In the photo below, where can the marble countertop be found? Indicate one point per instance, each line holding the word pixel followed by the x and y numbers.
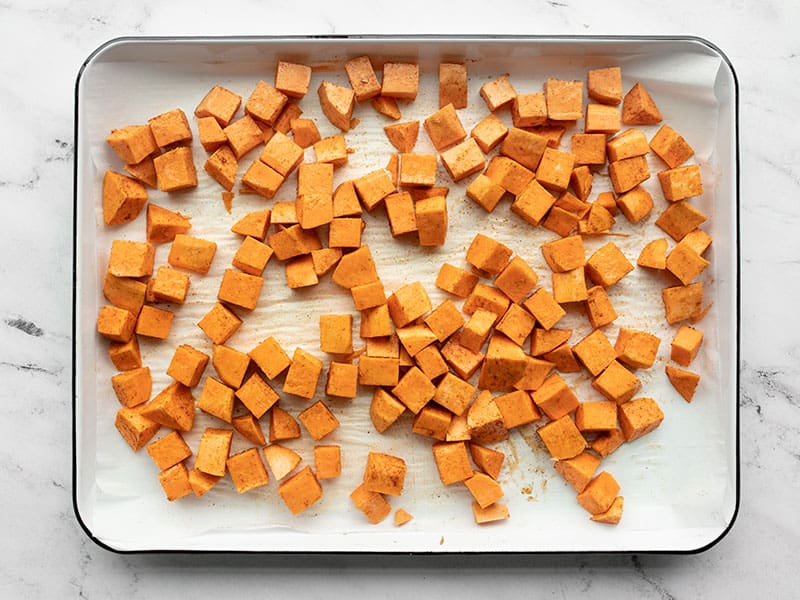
pixel 46 554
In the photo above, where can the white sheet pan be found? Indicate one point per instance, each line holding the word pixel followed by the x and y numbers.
pixel 680 483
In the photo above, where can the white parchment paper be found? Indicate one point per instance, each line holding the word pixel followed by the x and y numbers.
pixel 679 481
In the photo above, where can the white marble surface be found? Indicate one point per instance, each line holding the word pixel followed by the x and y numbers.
pixel 45 553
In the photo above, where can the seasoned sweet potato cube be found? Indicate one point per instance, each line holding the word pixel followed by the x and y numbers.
pixel 414 389
pixel 336 333
pixel 384 474
pixel 596 416
pixel 265 103
pixel 681 183
pixel 498 92
pixel 131 259
pixel 454 393
pixel 257 395
pixel 408 303
pixel 154 322
pixel 516 324
pixel 605 85
pixel 444 128
pixel 169 450
pixel 342 380
pixel 373 187
pixel 303 374
pixel 216 399
pixel 125 355
pixel 685 345
pixel 292 79
pixel 372 504
pixel 684 382
pixel 376 370
pixel 252 256
pixel 578 471
pixel 219 323
pixel 484 489
pixel 400 80
pixel 680 219
pixel 636 348
pixel 489 132
pixel 175 482
pixel 517 409
pixel 547 340
pixel 463 160
pixel 386 106
pixel 635 204
pixel 313 210
pixel 384 409
pixel 504 364
pixel 300 491
pixel 614 513
pixel 337 104
pixel 476 331
pixel 219 103
pixel 599 493
pixel 485 192
pixel 509 174
pixel 564 99
pixel 597 220
pixel 606 442
pixel 562 438
pixel 682 302
pixel 175 170
pixel 487 254
pixel 281 460
pixel 171 127
pixel 453 85
pixel 270 357
pixel 608 265
pixel 444 320
pixel 536 370
pixel 116 324
pixel 524 147
pixel 247 470
pixel 133 143
pixel 417 170
pixel 230 364
pixel 639 417
pixel 638 107
pixel 654 255
pixel 494 512
pixel 564 254
pixel 529 110
pixel 415 337
pixel 362 78
pixel 135 428
pixel 318 420
pixel 282 426
pixel 457 281
pixel 376 322
pixel 484 419
pixel 581 181
pixel 212 453
pixel 589 148
pixel 544 307
pixel 627 173
pixel 132 387
pixel 629 143
pixel 462 360
pixel 163 224
pixel 144 172
pixel 240 289
pixel 243 136
pixel 170 286
pixel 602 119
pixel 617 383
pixel 452 462
pixel 123 198
pixel 698 240
pixel 532 203
pixel 555 169
pixel 191 253
pixel 670 147
pixel 595 352
pixel 328 461
pixel 599 309
pixel 403 136
pixel 488 460
pixel 281 154
pixel 486 297
pixel 431 362
pixel 187 365
pixel 555 397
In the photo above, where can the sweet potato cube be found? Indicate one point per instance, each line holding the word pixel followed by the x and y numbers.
pixel 581 181
pixel 163 224
pixel 628 144
pixel 452 461
pixel 415 337
pixel 463 159
pixel 524 147
pixel 408 303
pixel 133 143
pixel 595 352
pixel 265 103
pixel 544 307
pixel 485 192
pixel 456 281
pixel 589 148
pixel 680 219
pixel 504 364
pixel 532 203
pixel 681 183
pixel 608 265
pixel 444 128
pixel 494 512
pixel 578 470
pixel 219 323
pixel 132 387
pixel 476 331
pixel 342 380
pixel 144 172
pixel 125 355
pixel 486 297
pixel 431 221
pixel 489 132
pixel 368 295
pixel 613 515
pixel 561 221
pixel 170 285
pixel 414 389
pixel 169 450
pixel 682 302
pixel 123 198
pixel 639 417
pixel 431 362
pixel 564 254
pixel 300 491
pixel 247 470
pixel 373 187
pixel 216 399
pixel 670 147
pixel 654 255
pixel 454 393
pixel 516 279
pixel 638 108
pixel 175 170
pixel 219 103
pixel 401 517
pixel 509 174
pixel 547 340
pixel 270 357
pixel 384 409
pixel 175 482
pixel 336 333
pixel 131 259
pixel 605 85
pixel 362 78
pixel 282 426
pixel 376 322
pixel 222 166
pixel 303 374
pixel 555 169
pixel 635 348
pixel 134 428
pixel 154 322
pixel 257 395
pixel 498 92
pixel 243 136
pixel 376 370
pixel 400 80
pixel 432 421
pixel 536 370
pixel 212 453
pixel 281 460
pixel 605 443
pixel 116 324
pixel 384 474
pixel 635 204
pixel 187 365
pixel 192 253
pixel 386 106
pixel 555 398
pixel 325 259
pixel 627 173
pixel 597 220
pixel 403 136
pixel 328 461
pixel 486 459
pixel 562 438
pixel 457 430
pixel 516 324
pixel 529 110
pixel 372 504
pixel 281 154
pixel 171 127
pixel 599 493
pixel 599 309
pixel 417 170
pixel 292 79
pixel 240 289
pixel 337 104
pixel 211 134
pixel 201 483
pixel 330 150
pixel 453 85
pixel 444 320
pixel 517 409
pixel 617 383
pixel 487 254
pixel 252 256
pixel 596 416
pixel 602 119
pixel 318 420
pixel 698 240
pixel 684 382
pixel 484 420
pixel 300 272
pixel 685 345
pixel 484 489
pixel 564 99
